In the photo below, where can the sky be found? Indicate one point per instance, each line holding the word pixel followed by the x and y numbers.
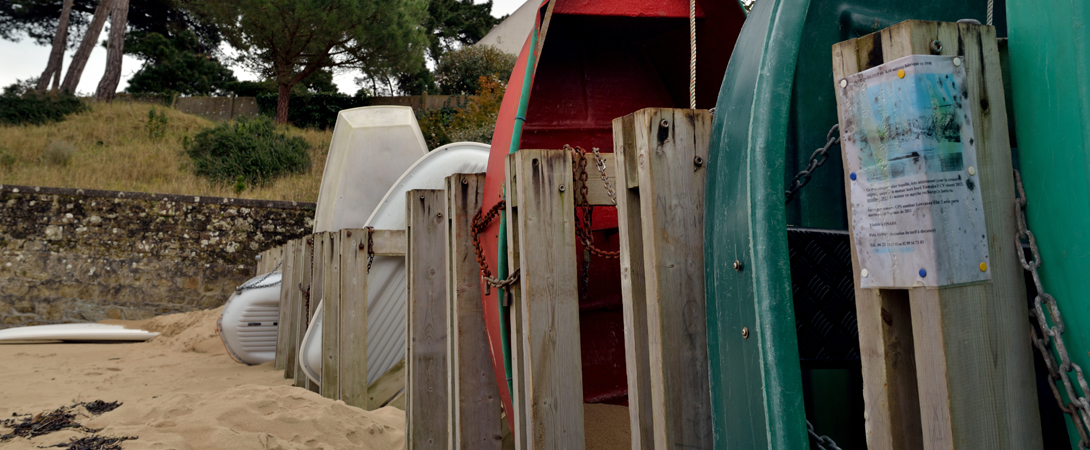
pixel 25 59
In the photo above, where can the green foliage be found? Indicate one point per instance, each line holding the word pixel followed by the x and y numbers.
pixel 460 71
pixel 418 83
pixel 452 22
pixel 313 110
pixel 175 65
pixel 291 39
pixel 240 184
pixel 58 153
pixel 473 122
pixel 251 150
pixel 21 105
pixel 157 124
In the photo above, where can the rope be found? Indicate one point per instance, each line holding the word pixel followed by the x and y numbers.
pixel 692 50
pixel 991 8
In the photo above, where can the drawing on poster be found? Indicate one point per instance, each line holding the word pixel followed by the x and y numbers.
pixel 917 212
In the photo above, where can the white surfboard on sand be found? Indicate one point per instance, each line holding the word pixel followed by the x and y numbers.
pixel 386 281
pixel 73 332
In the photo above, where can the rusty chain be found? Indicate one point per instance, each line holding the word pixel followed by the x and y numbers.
pixel 582 224
pixel 600 163
pixel 817 159
pixel 257 284
pixel 478 226
pixel 1043 336
pixel 370 247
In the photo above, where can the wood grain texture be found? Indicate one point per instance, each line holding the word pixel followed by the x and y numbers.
pixel 331 312
pixel 389 242
pixel 519 370
pixel 353 321
pixel 283 323
pixel 386 387
pixel 306 306
pixel 633 284
pixel 669 143
pixel 972 359
pixel 475 409
pixel 426 418
pixel 597 195
pixel 549 305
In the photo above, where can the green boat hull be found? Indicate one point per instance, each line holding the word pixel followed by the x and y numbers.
pixel 1049 45
pixel 775 107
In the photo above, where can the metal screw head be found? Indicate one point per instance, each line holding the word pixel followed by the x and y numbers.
pixel 864 273
pixel 562 188
pixel 936 46
pixel 421 197
pixel 745 332
pixel 439 215
pixel 738 265
pixel 349 233
pixel 465 181
pixel 698 161
pixel 665 123
pixel 844 83
pixel 972 170
pixel 957 62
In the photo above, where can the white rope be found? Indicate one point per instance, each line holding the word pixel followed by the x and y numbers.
pixel 991 6
pixel 692 54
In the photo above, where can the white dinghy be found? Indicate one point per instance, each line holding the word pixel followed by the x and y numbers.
pixel 371 146
pixel 386 281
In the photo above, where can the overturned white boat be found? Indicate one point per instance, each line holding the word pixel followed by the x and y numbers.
pixel 73 332
pixel 371 147
pixel 386 280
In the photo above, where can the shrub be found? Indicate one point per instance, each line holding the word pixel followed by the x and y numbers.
pixel 22 106
pixel 460 70
pixel 474 122
pixel 157 124
pixel 58 153
pixel 251 151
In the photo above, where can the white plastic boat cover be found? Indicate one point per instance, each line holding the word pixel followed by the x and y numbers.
pixel 386 281
pixel 371 147
pixel 249 321
pixel 72 332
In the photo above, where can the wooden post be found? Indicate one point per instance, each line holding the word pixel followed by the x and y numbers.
pixel 660 203
pixel 295 305
pixel 519 369
pixel 283 324
pixel 474 398
pixel 964 378
pixel 306 305
pixel 331 315
pixel 426 387
pixel 353 319
pixel 545 313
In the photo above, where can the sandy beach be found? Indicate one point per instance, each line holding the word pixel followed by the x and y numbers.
pixel 181 391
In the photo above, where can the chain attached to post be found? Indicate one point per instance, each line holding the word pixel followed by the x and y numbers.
pixel 823 442
pixel 1045 337
pixel 480 223
pixel 600 163
pixel 582 224
pixel 370 247
pixel 817 159
pixel 257 284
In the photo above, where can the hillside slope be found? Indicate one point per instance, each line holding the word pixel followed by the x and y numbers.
pixel 111 149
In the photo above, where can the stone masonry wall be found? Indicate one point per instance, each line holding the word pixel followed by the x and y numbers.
pixel 75 255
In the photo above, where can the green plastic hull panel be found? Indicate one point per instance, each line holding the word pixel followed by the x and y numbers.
pixel 1049 44
pixel 774 108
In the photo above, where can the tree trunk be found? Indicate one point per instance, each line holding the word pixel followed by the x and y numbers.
pixel 107 86
pixel 282 98
pixel 79 60
pixel 56 56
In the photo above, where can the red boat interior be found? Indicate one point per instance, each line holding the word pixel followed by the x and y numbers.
pixel 601 60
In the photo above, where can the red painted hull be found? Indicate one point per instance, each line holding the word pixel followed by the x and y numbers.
pixel 601 60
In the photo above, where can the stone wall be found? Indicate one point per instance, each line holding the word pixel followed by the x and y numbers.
pixel 75 255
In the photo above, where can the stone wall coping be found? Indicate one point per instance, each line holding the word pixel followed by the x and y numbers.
pixel 241 202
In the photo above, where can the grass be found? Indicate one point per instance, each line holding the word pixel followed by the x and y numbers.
pixel 112 149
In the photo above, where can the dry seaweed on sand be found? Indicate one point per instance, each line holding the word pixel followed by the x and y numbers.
pixel 99 407
pixel 94 443
pixel 43 423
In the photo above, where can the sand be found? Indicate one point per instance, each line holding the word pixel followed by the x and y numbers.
pixel 182 391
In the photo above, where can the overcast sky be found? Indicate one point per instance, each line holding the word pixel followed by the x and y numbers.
pixel 25 59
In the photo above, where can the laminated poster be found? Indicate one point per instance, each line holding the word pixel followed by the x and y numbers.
pixel 917 213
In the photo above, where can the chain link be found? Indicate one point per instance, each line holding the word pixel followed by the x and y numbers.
pixel 582 224
pixel 817 159
pixel 1043 336
pixel 479 225
pixel 600 162
pixel 370 247
pixel 257 284
pixel 823 442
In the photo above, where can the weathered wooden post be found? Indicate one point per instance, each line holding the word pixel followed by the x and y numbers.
pixel 660 155
pixel 283 324
pixel 426 386
pixel 474 403
pixel 940 295
pixel 309 301
pixel 352 360
pixel 295 312
pixel 331 314
pixel 545 347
